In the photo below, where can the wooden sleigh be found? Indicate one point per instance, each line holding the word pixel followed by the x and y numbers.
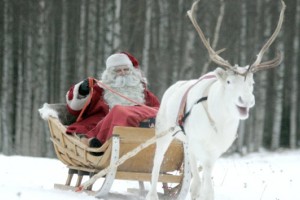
pixel 79 161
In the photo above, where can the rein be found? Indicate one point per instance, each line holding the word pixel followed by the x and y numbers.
pixel 142 146
pixel 91 86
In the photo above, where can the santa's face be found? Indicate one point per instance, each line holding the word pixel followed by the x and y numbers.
pixel 122 76
pixel 125 80
pixel 122 70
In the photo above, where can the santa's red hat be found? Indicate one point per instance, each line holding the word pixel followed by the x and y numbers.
pixel 122 58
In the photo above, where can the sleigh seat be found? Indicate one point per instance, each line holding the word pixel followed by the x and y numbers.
pixel 79 160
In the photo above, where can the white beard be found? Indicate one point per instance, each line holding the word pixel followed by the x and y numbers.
pixel 129 86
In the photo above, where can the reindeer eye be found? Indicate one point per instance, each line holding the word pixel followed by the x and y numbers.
pixel 228 82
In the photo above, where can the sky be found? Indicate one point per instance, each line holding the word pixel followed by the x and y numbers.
pixel 257 176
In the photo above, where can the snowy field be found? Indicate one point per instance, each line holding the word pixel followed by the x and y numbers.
pixel 259 176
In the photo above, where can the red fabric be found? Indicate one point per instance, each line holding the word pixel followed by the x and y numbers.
pixel 71 93
pixel 134 61
pixel 98 121
pixel 120 116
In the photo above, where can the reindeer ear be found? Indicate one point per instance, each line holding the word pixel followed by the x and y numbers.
pixel 221 74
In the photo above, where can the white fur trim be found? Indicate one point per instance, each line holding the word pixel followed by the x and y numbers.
pixel 47 112
pixel 78 101
pixel 118 59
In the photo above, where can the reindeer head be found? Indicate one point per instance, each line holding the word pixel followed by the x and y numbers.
pixel 236 91
pixel 238 81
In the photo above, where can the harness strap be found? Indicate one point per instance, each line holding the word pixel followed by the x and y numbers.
pixel 189 112
pixel 182 108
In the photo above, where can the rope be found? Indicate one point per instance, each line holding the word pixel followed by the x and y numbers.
pixel 128 154
pixel 91 86
pixel 142 146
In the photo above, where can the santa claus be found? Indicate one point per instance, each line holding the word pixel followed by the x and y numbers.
pixel 120 99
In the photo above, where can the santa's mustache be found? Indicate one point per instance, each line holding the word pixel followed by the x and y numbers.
pixel 127 80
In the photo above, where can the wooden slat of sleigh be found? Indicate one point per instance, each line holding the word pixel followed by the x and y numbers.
pixel 76 155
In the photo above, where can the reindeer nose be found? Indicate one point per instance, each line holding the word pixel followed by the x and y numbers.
pixel 241 100
pixel 249 100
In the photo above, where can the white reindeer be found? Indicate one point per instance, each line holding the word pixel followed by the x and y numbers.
pixel 211 126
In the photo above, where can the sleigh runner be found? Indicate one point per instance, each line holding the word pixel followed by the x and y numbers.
pixel 78 159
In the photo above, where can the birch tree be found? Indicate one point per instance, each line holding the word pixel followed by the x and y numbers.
pixel 6 125
pixel 24 135
pixel 187 68
pixel 277 114
pixel 38 138
pixel 1 63
pixel 294 79
pixel 111 36
pixel 63 53
pixel 161 47
pixel 117 26
pixel 243 36
pixel 262 31
pixel 100 50
pixel 90 36
pixel 47 46
pixel 147 35
pixel 217 31
pixel 82 49
pixel 21 137
pixel 278 99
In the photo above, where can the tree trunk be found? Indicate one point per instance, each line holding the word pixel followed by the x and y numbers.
pixel 38 138
pixel 260 87
pixel 64 84
pixel 243 36
pixel 147 34
pixel 117 27
pixel 90 37
pixel 278 106
pixel 6 124
pixel 217 30
pixel 82 49
pixel 277 114
pixel 1 63
pixel 294 79
pixel 47 46
pixel 25 133
pixel 160 36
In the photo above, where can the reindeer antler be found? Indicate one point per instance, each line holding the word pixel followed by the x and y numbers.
pixel 257 65
pixel 214 56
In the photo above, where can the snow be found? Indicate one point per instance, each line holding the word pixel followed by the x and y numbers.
pixel 258 176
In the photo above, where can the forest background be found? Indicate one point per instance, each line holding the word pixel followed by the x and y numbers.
pixel 48 45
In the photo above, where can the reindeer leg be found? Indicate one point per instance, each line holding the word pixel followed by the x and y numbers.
pixel 207 191
pixel 162 145
pixel 196 181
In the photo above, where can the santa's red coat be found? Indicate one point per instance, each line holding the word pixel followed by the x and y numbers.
pixel 98 121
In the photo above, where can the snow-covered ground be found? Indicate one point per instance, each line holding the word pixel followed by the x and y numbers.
pixel 259 176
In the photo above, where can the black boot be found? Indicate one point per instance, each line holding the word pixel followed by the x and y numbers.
pixel 149 123
pixel 95 143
